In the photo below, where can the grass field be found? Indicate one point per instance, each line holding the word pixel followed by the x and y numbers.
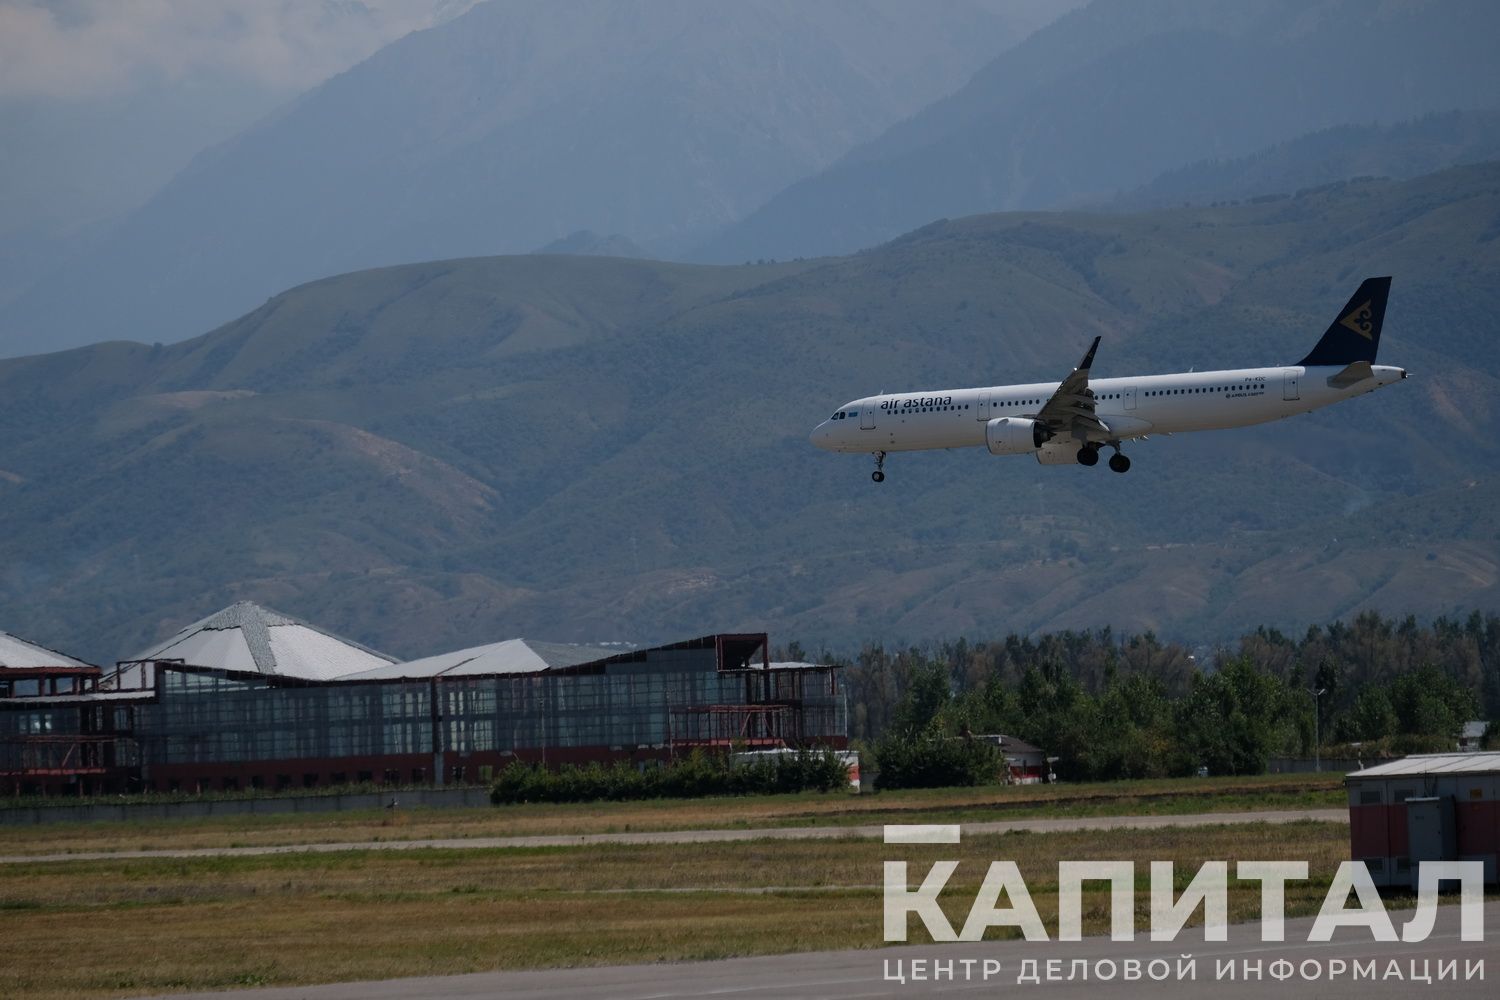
pixel 1126 798
pixel 158 926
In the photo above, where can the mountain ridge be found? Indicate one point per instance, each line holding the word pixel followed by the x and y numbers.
pixel 1097 102
pixel 505 128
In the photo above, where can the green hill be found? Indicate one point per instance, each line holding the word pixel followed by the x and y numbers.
pixel 584 448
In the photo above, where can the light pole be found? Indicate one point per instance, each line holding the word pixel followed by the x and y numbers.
pixel 1317 731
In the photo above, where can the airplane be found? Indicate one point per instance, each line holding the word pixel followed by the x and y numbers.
pixel 1068 422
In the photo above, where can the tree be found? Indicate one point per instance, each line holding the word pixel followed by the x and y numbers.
pixel 1372 717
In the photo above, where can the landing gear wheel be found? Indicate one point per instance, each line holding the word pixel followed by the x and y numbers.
pixel 1088 456
pixel 879 475
pixel 1119 462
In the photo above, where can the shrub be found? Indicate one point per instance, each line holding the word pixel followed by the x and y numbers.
pixel 694 776
pixel 928 759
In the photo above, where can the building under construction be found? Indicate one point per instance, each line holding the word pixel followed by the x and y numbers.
pixel 249 698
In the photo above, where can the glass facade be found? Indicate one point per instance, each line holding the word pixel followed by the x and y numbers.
pixel 213 728
pixel 626 709
pixel 216 718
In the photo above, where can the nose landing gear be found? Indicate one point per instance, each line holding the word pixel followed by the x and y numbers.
pixel 879 474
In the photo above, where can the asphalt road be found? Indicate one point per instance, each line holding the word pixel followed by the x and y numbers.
pixel 846 975
pixel 713 836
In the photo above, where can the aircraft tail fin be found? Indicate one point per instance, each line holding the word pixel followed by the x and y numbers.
pixel 1355 335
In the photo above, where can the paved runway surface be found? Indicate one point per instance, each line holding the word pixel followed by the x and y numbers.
pixel 846 975
pixel 715 836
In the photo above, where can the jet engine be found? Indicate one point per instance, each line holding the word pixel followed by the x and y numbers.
pixel 1014 435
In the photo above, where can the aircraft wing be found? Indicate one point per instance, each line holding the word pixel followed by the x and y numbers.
pixel 1070 410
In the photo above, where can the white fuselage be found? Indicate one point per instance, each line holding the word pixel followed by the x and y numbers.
pixel 1129 407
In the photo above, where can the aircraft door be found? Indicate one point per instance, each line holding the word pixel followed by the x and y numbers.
pixel 1289 383
pixel 1130 397
pixel 984 406
pixel 867 415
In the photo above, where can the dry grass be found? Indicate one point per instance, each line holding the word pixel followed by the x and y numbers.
pixel 301 918
pixel 1168 796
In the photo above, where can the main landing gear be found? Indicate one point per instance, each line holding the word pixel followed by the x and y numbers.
pixel 1089 455
pixel 879 474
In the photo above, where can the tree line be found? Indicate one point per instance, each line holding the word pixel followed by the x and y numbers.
pixel 1131 706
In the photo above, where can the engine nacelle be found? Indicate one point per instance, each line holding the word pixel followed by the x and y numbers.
pixel 1014 435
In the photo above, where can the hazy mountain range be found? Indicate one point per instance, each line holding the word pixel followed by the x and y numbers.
pixel 749 131
pixel 508 127
pixel 1403 150
pixel 584 448
pixel 1108 96
pixel 101 103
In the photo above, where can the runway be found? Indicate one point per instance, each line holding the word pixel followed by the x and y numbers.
pixel 847 975
pixel 872 832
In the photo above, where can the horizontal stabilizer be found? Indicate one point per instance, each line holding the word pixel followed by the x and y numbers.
pixel 1353 373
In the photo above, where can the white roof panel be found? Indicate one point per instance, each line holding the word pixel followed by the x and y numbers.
pixel 300 651
pixel 19 654
pixel 1434 763
pixel 512 656
pixel 226 649
pixel 248 638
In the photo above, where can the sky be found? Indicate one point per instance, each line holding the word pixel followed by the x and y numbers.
pixel 88 49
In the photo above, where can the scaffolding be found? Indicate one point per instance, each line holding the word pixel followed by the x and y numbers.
pixel 65 755
pixel 725 726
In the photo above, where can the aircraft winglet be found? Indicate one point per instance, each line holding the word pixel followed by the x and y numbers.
pixel 1071 407
pixel 1088 359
